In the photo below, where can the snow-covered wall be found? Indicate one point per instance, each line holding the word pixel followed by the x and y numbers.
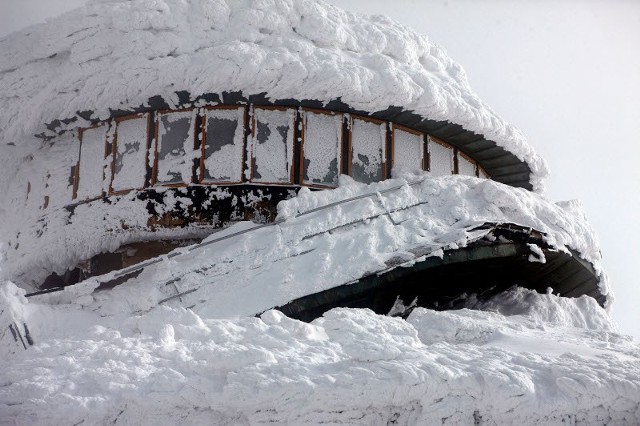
pixel 119 54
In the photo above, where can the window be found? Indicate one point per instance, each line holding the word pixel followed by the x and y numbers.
pixel 175 147
pixel 130 153
pixel 441 158
pixel 62 160
pixel 91 164
pixel 466 166
pixel 116 156
pixel 222 150
pixel 368 140
pixel 408 149
pixel 322 142
pixel 272 145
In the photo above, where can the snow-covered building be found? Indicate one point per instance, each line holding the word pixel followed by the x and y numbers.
pixel 175 170
pixel 132 130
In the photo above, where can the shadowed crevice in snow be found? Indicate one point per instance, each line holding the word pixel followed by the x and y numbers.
pixel 484 267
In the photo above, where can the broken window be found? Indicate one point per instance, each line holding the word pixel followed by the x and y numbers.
pixel 92 162
pixel 368 140
pixel 321 148
pixel 130 153
pixel 223 145
pixel 272 145
pixel 175 147
pixel 441 158
pixel 408 149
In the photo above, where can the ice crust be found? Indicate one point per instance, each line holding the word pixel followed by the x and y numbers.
pixel 516 361
pixel 118 54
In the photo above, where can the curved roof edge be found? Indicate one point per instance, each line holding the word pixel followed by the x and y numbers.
pixel 117 54
pixel 501 164
pixel 485 267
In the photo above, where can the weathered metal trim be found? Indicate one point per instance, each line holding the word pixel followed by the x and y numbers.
pixel 453 134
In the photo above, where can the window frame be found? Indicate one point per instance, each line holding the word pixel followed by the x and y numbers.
pixel 423 157
pixel 295 155
pixel 154 171
pixel 383 170
pixel 440 142
pixel 470 160
pixel 252 145
pixel 339 148
pixel 203 143
pixel 114 149
pixel 76 180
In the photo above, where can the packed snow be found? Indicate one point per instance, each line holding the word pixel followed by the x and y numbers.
pixel 523 358
pixel 119 54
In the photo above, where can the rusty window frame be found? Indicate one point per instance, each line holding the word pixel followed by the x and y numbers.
pixel 470 160
pixel 394 127
pixel 114 149
pixel 352 117
pixel 76 181
pixel 252 146
pixel 339 148
pixel 203 143
pixel 445 145
pixel 154 172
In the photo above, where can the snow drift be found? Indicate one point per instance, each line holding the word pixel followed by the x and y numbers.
pixel 350 366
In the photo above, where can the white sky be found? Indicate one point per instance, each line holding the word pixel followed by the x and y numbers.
pixel 566 72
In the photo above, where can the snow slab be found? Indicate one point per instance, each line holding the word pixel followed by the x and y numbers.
pixel 117 54
pixel 395 221
pixel 320 242
pixel 516 361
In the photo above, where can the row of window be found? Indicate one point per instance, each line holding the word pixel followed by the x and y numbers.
pixel 227 145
